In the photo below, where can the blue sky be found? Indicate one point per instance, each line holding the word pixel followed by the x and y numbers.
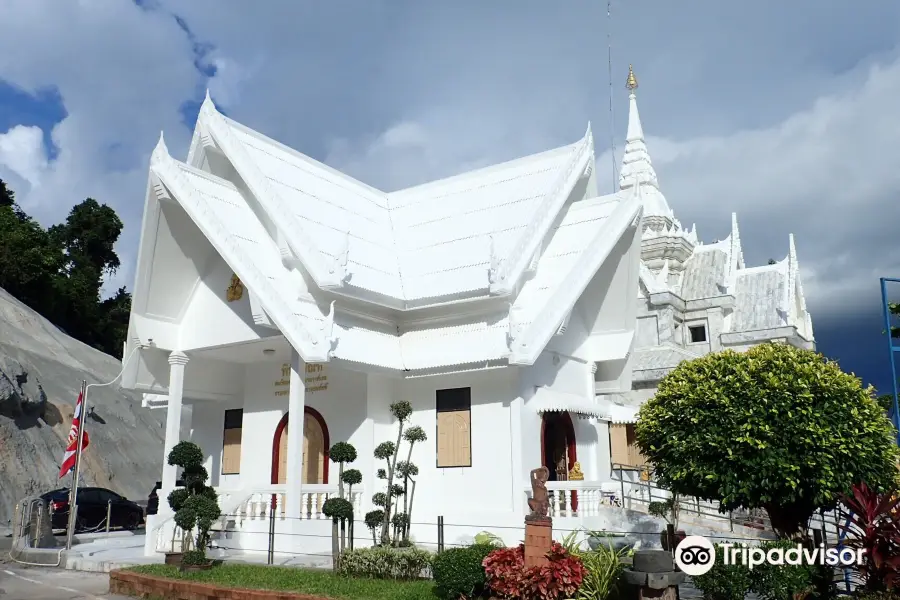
pixel 783 112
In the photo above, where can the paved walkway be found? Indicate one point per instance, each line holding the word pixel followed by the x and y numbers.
pixel 18 583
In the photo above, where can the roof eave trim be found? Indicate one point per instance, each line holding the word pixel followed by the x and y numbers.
pixel 506 276
pixel 533 339
pixel 311 349
pixel 325 276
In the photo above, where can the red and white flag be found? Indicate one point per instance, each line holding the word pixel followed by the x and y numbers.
pixel 72 444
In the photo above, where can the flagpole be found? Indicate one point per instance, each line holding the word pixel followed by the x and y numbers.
pixel 73 493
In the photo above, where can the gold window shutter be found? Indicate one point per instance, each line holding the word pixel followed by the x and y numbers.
pixel 231 452
pixel 454 439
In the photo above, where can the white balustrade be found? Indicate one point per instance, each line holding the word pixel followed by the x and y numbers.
pixel 262 503
pixel 579 498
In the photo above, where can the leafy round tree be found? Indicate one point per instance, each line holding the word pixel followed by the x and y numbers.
pixel 776 427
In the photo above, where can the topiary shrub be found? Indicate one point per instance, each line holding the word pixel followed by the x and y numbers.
pixel 723 582
pixel 459 572
pixel 394 528
pixel 560 578
pixel 193 557
pixel 196 504
pixel 385 562
pixel 340 509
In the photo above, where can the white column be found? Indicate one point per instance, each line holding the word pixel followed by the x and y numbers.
pixel 296 405
pixel 177 362
pixel 602 459
pixel 515 437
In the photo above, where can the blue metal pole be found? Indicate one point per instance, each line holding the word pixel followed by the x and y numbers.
pixel 892 350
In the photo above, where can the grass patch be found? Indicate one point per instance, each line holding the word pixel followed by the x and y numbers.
pixel 303 581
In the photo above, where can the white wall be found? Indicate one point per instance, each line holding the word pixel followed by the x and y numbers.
pixel 646 332
pixel 342 406
pixel 210 320
pixel 571 377
pixel 460 494
pixel 208 423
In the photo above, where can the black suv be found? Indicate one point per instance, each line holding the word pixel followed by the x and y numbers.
pixel 92 508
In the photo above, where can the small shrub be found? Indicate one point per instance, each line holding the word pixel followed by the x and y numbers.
pixel 723 582
pixel 193 557
pixel 602 573
pixel 384 562
pixel 459 572
pixel 506 575
pixel 781 582
pixel 488 538
pixel 866 595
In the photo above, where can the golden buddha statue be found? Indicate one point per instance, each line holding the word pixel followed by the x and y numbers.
pixel 575 474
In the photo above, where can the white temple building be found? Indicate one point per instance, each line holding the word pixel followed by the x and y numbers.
pixel 696 298
pixel 500 303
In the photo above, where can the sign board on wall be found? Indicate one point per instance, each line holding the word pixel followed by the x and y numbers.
pixel 315 380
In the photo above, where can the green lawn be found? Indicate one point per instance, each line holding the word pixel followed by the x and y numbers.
pixel 305 581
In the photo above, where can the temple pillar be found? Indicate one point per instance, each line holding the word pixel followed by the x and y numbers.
pixel 177 362
pixel 296 409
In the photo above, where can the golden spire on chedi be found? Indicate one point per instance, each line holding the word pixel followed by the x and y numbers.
pixel 631 83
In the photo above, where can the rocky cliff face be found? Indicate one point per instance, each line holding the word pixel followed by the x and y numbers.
pixel 41 369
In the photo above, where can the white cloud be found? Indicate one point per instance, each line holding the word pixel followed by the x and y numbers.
pixel 22 152
pixel 122 73
pixel 780 120
pixel 827 173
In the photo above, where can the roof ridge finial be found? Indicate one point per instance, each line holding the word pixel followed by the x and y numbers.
pixel 208 105
pixel 631 83
pixel 160 152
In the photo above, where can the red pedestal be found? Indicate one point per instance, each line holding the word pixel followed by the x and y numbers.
pixel 538 539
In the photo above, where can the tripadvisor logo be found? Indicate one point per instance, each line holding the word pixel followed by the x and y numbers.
pixel 695 555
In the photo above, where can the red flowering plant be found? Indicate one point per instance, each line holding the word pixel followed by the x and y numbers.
pixel 873 526
pixel 506 575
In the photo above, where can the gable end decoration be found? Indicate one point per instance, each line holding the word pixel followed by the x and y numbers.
pixel 235 290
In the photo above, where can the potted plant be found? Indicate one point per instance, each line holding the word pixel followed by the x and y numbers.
pixel 195 505
pixel 602 539
pixel 668 511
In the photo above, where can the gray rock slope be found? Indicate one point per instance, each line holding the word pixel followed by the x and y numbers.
pixel 41 369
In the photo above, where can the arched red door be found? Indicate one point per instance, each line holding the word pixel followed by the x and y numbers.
pixel 559 452
pixel 315 449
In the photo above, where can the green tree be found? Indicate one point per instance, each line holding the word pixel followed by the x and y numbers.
pixel 7 198
pixel 776 427
pixel 29 260
pixel 59 272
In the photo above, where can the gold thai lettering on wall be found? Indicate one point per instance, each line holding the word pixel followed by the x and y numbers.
pixel 315 380
pixel 283 385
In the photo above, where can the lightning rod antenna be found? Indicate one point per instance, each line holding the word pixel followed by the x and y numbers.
pixel 612 120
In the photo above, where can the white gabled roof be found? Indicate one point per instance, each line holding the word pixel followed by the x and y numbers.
pixel 576 247
pixel 507 230
pixel 469 235
pixel 221 213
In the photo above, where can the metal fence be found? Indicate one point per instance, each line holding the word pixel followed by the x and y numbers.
pixel 32 530
pixel 298 548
